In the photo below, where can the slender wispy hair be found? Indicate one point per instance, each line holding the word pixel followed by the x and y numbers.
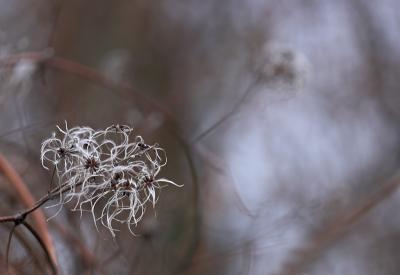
pixel 112 167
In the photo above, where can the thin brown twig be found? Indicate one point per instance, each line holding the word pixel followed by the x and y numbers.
pixel 49 196
pixel 9 244
pixel 29 248
pixel 27 199
pixel 20 219
pixel 42 244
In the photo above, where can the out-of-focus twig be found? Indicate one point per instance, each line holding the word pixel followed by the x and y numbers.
pixel 29 127
pixel 226 116
pixel 22 238
pixel 193 247
pixel 51 194
pixel 9 244
pixel 10 270
pixel 19 218
pixel 86 254
pixel 42 244
pixel 338 228
pixel 46 58
pixel 88 257
pixel 27 199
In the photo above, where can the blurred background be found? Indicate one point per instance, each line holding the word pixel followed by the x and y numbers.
pixel 281 118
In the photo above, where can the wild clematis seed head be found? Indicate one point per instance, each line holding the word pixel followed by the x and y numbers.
pixel 111 167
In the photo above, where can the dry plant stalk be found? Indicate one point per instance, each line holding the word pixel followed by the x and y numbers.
pixel 28 200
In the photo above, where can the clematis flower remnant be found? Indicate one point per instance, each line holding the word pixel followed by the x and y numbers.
pixel 112 167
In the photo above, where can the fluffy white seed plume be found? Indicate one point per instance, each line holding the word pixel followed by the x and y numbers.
pixel 111 167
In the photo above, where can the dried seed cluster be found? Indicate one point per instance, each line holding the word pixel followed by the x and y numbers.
pixel 111 167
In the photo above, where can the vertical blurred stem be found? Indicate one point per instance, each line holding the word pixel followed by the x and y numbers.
pixel 9 244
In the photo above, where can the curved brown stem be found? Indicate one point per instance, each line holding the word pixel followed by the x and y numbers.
pixel 42 244
pixel 22 215
pixel 27 199
pixel 28 248
pixel 19 218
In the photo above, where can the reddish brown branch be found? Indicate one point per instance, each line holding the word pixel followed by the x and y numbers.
pixel 27 199
pixel 22 238
pixel 51 194
pixel 18 219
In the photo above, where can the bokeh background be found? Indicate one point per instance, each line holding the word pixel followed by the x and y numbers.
pixel 281 118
